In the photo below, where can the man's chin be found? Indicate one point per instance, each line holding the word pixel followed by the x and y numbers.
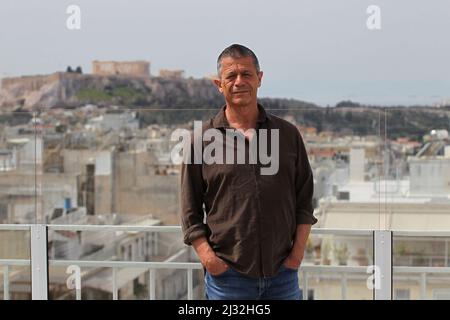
pixel 241 102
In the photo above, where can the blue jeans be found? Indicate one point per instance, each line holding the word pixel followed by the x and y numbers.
pixel 231 285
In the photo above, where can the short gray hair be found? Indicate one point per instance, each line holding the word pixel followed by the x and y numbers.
pixel 237 51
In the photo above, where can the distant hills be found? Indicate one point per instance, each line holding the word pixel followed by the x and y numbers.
pixel 178 100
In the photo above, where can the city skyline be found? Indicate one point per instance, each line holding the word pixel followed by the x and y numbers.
pixel 319 52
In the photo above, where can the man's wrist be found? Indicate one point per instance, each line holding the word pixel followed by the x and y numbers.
pixel 204 250
pixel 296 255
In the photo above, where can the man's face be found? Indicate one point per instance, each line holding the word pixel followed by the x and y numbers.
pixel 239 81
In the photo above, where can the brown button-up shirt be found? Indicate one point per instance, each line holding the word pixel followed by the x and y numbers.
pixel 249 219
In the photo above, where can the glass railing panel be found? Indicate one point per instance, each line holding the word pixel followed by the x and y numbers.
pixel 337 266
pixel 421 267
pixel 15 269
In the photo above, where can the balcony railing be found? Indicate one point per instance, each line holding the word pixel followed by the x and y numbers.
pixel 380 274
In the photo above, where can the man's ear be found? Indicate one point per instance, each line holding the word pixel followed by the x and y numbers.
pixel 218 84
pixel 260 75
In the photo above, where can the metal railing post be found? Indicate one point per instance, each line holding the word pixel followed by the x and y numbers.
pixel 39 262
pixel 423 286
pixel 383 264
pixel 189 284
pixel 152 287
pixel 114 284
pixel 6 282
pixel 305 286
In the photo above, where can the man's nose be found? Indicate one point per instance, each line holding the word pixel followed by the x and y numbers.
pixel 239 80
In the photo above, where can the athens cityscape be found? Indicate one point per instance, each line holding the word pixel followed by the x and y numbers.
pixel 87 154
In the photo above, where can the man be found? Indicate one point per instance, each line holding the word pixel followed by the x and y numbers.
pixel 252 242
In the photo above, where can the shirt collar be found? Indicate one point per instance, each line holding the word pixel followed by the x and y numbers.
pixel 220 120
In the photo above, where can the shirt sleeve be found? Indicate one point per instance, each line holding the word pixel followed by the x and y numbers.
pixel 191 196
pixel 304 185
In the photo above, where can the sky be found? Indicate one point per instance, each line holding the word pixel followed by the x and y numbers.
pixel 313 50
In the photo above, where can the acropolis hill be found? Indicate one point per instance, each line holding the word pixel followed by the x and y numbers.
pixel 126 83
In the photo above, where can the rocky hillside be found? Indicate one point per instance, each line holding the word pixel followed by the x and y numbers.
pixel 74 90
pixel 178 100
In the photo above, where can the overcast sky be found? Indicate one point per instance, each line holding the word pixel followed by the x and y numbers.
pixel 319 51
